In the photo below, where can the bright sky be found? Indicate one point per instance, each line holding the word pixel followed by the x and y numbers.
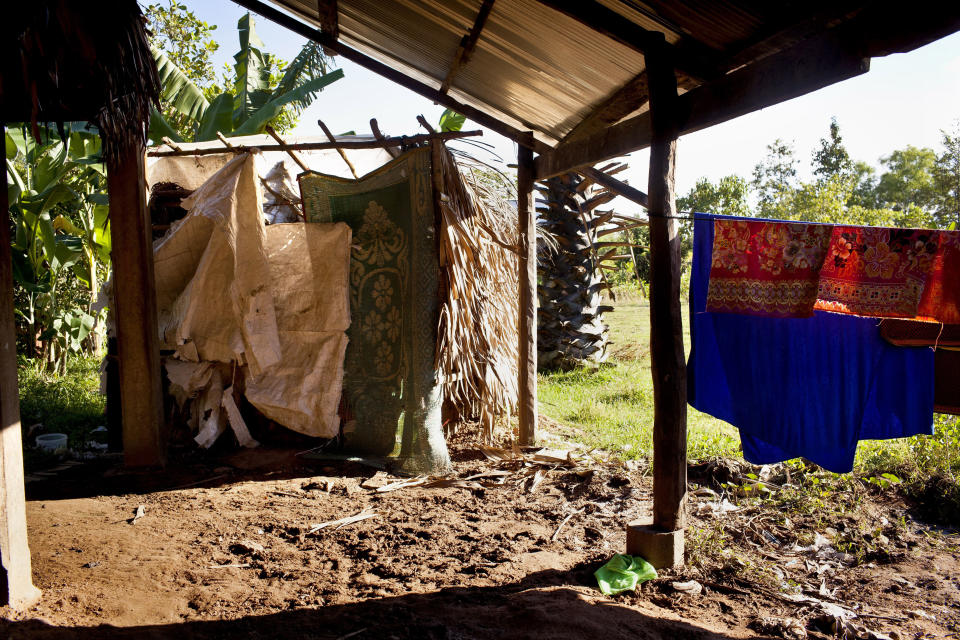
pixel 903 99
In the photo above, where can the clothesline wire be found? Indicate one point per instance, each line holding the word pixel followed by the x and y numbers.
pixel 684 215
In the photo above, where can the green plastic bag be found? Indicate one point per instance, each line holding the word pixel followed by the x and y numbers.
pixel 623 573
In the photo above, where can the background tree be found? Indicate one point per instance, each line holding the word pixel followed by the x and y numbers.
pixel 831 159
pixel 774 180
pixel 947 179
pixel 908 179
pixel 188 43
pixel 864 190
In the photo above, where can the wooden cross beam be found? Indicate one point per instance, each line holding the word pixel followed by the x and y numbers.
pixel 801 69
pixel 467 44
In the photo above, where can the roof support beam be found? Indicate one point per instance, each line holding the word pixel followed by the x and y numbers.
pixel 467 44
pixel 697 60
pixel 389 73
pixel 799 70
pixel 617 186
pixel 527 299
pixel 329 18
pixel 621 103
pixel 661 541
pixel 617 106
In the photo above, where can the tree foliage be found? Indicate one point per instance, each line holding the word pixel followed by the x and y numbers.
pixel 263 91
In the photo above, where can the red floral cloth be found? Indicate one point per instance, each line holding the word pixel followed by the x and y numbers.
pixel 940 301
pixel 871 271
pixel 789 269
pixel 766 268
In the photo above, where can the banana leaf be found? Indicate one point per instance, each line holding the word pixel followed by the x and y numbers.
pixel 219 117
pixel 178 90
pixel 305 93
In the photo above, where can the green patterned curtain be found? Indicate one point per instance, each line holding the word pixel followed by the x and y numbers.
pixel 391 386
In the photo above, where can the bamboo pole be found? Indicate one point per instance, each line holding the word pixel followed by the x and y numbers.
pixel 315 146
pixel 293 154
pixel 331 138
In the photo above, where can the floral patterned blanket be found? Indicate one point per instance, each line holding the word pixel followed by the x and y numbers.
pixel 789 269
pixel 391 389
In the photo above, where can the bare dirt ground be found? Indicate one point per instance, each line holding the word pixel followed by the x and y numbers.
pixel 229 548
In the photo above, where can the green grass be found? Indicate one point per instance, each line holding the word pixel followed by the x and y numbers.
pixel 611 407
pixel 70 404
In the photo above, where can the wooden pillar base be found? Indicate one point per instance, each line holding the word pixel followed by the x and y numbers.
pixel 16 580
pixel 662 549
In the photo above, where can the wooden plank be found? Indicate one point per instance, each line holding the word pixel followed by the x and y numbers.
pixel 804 68
pixel 467 44
pixel 527 289
pixel 692 57
pixel 135 311
pixel 388 72
pixel 666 326
pixel 16 581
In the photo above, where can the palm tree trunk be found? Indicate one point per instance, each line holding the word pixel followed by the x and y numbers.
pixel 570 328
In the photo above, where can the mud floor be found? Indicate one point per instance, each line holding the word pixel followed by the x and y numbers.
pixel 232 549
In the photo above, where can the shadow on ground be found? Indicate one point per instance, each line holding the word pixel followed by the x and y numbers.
pixel 541 606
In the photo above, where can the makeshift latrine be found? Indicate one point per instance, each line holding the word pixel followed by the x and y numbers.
pixel 330 326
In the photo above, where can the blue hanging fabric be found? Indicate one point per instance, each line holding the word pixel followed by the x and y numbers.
pixel 802 387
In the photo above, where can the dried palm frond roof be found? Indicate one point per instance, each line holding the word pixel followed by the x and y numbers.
pixel 478 335
pixel 63 60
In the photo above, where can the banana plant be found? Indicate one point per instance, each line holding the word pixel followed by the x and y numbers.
pixel 253 102
pixel 47 179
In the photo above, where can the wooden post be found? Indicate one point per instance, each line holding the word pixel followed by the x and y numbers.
pixel 527 265
pixel 16 581
pixel 135 310
pixel 666 325
pixel 662 543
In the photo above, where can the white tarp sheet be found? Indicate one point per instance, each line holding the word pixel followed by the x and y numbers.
pixel 271 300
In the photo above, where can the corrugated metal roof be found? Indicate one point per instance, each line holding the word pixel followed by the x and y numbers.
pixel 536 68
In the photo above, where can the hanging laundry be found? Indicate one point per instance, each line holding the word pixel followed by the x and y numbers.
pixel 941 296
pixel 945 338
pixel 872 271
pixel 766 268
pixel 783 269
pixel 810 387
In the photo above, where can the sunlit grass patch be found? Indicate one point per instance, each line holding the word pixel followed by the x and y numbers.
pixel 612 405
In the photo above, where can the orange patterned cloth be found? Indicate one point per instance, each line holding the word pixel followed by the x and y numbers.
pixel 789 269
pixel 940 301
pixel 872 271
pixel 766 268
